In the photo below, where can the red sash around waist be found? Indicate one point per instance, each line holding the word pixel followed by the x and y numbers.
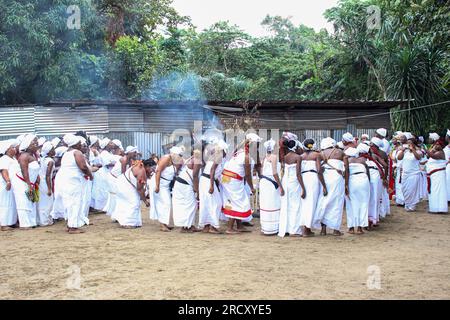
pixel 231 174
pixel 429 177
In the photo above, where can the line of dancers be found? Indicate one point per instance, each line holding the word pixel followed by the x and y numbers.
pixel 302 185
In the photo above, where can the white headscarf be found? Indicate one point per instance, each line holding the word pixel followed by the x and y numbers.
pixel 421 139
pixel 365 136
pixel 20 138
pixel 327 143
pixel 27 141
pixel 408 135
pixel 46 148
pixel 434 136
pixel 59 152
pixel 83 140
pixel 41 141
pixel 177 150
pixel 297 145
pixel 222 145
pixel 290 136
pixel 93 140
pixel 71 139
pixel 131 149
pixel 340 145
pixel 352 152
pixel 363 148
pixel 348 137
pixel 118 144
pixel 5 145
pixel 253 137
pixel 104 142
pixel 269 145
pixel 56 141
pixel 378 142
pixel 382 132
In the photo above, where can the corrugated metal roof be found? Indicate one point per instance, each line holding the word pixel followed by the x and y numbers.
pixel 55 120
pixel 16 120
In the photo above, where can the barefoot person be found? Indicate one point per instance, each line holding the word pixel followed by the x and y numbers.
pixel 25 182
pixel 8 213
pixel 357 178
pixel 402 143
pixel 46 199
pixel 237 171
pixel 293 189
pixel 437 181
pixel 130 192
pixel 160 187
pixel 57 213
pixel 210 194
pixel 74 172
pixel 330 207
pixel 376 150
pixel 270 191
pixel 410 157
pixel 376 184
pixel 185 193
pixel 123 163
pixel 312 176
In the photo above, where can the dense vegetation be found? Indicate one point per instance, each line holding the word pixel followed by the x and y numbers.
pixel 143 49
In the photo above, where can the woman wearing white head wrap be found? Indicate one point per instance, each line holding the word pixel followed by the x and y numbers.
pixel 185 193
pixel 437 183
pixel 312 175
pixel 121 165
pixel 348 140
pixel 236 193
pixel 210 190
pixel 270 191
pixel 100 186
pixel 292 184
pixel 376 185
pixel 58 208
pixel 381 157
pixel 24 177
pixel 46 199
pixel 72 181
pixel 8 213
pixel 160 187
pixel 357 178
pixel 330 207
pixel 411 176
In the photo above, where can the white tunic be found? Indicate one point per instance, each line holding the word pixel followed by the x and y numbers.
pixel 45 204
pixel 8 212
pixel 26 209
pixel 269 199
pixel 398 186
pixel 236 200
pixel 127 208
pixel 161 203
pixel 313 190
pixel 183 199
pixel 73 186
pixel 290 202
pixel 437 199
pixel 376 188
pixel 330 207
pixel 423 178
pixel 411 180
pixel 210 204
pixel 100 187
pixel 114 174
pixel 447 156
pixel 357 203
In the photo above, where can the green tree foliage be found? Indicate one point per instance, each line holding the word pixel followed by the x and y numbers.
pixel 143 49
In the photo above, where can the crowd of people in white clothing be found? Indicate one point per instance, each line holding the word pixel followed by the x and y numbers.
pixel 301 185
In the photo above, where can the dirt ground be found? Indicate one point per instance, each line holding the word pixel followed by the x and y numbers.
pixel 411 252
